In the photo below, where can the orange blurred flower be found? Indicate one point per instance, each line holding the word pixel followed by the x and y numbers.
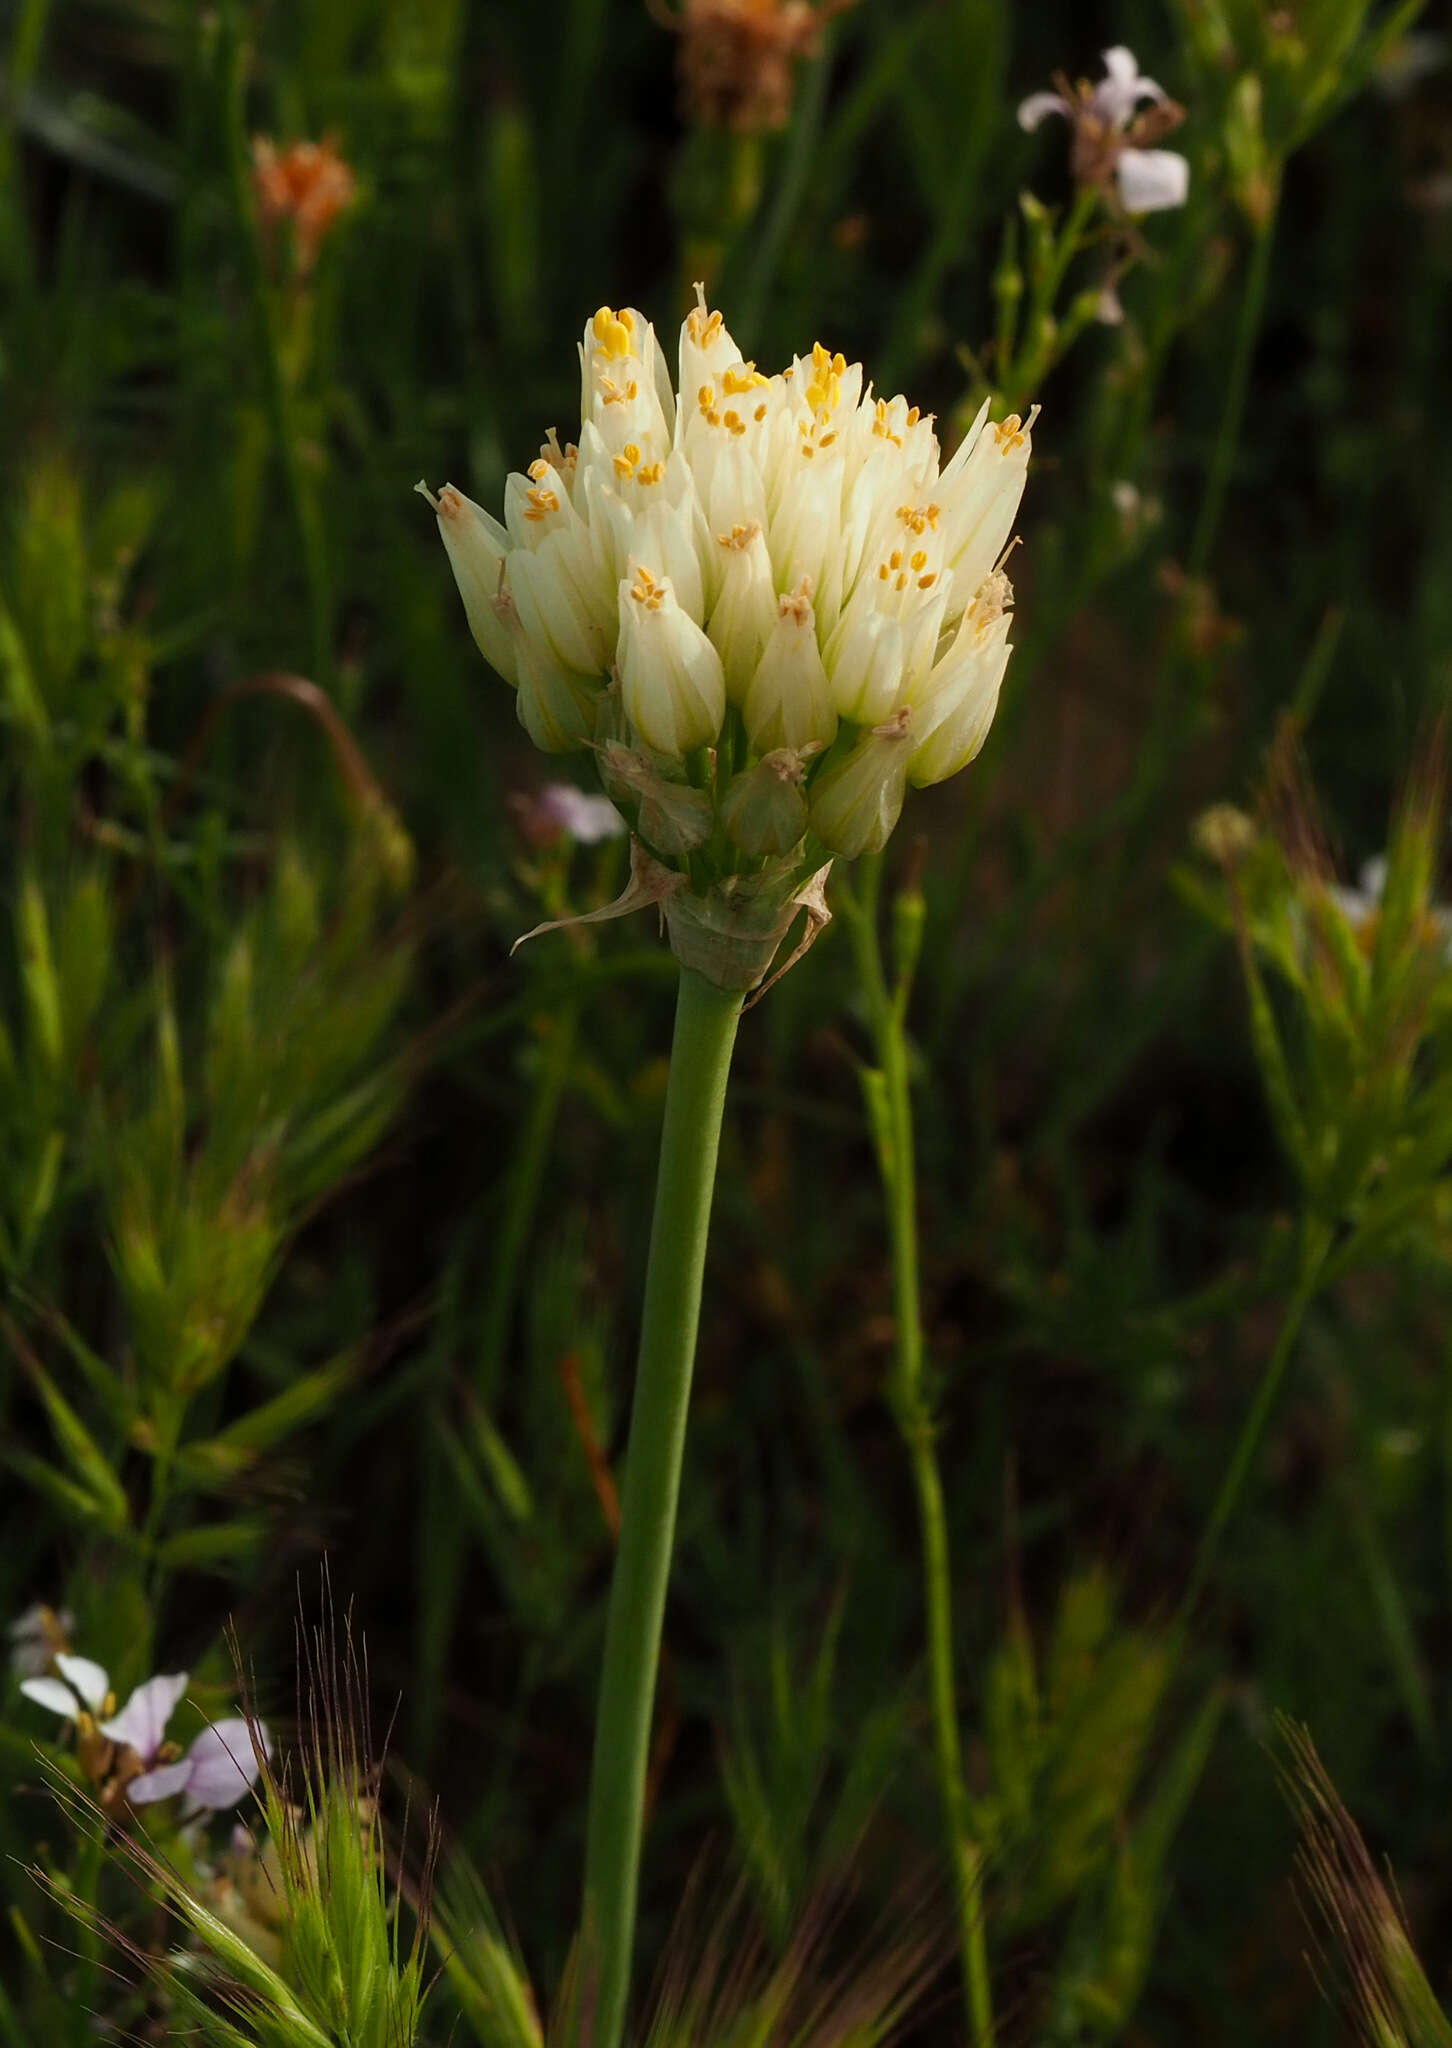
pixel 737 57
pixel 308 184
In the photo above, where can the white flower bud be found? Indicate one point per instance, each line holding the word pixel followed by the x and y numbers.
pixel 672 816
pixel 670 674
pixel 955 704
pixel 865 662
pixel 556 708
pixel 552 611
pixel 980 492
pixel 764 810
pixel 856 801
pixel 789 699
pixel 744 615
pixel 477 546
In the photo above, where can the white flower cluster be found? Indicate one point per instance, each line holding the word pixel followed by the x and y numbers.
pixel 777 573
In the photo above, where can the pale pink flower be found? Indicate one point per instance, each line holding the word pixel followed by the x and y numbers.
pixel 1111 122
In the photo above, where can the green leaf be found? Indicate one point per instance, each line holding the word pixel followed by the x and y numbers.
pixel 80 1448
pixel 214 1543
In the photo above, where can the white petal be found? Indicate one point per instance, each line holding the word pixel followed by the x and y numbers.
pixel 159 1784
pixel 86 1678
pixel 141 1723
pixel 49 1692
pixel 1373 876
pixel 221 1763
pixel 1038 106
pixel 477 545
pixel 1120 92
pixel 1150 180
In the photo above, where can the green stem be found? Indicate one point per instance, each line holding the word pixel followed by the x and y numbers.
pixel 521 1198
pixel 1227 439
pixel 1316 1245
pixel 277 386
pixel 890 1107
pixel 705 1032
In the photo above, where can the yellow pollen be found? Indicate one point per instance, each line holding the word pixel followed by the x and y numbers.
pixel 701 326
pixel 919 560
pixel 612 331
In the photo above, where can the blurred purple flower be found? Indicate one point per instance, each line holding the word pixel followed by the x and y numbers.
pixel 216 1771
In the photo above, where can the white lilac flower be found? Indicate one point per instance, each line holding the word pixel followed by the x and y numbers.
pixel 748 566
pixel 1112 121
pixel 215 1772
pixel 36 1636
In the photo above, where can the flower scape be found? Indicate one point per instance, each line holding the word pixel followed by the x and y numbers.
pixel 763 601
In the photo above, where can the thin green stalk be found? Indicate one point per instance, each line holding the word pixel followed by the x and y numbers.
pixel 1227 439
pixel 521 1197
pixel 705 1032
pixel 890 1109
pixel 1316 1245
pixel 282 412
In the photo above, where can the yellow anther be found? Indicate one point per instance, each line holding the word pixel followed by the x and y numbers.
pixel 927 582
pixel 735 423
pixel 1009 433
pixel 706 397
pixel 760 413
pixel 882 572
pixel 539 469
pixel 612 331
pixel 623 465
pixel 827 439
pixel 738 538
pixel 797 604
pixel 913 416
pixel 902 580
pixel 650 473
pixel 647 591
pixel 746 378
pixel 894 560
pixel 919 560
pixel 541 504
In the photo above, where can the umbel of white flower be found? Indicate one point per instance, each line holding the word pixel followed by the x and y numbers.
pixel 762 600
